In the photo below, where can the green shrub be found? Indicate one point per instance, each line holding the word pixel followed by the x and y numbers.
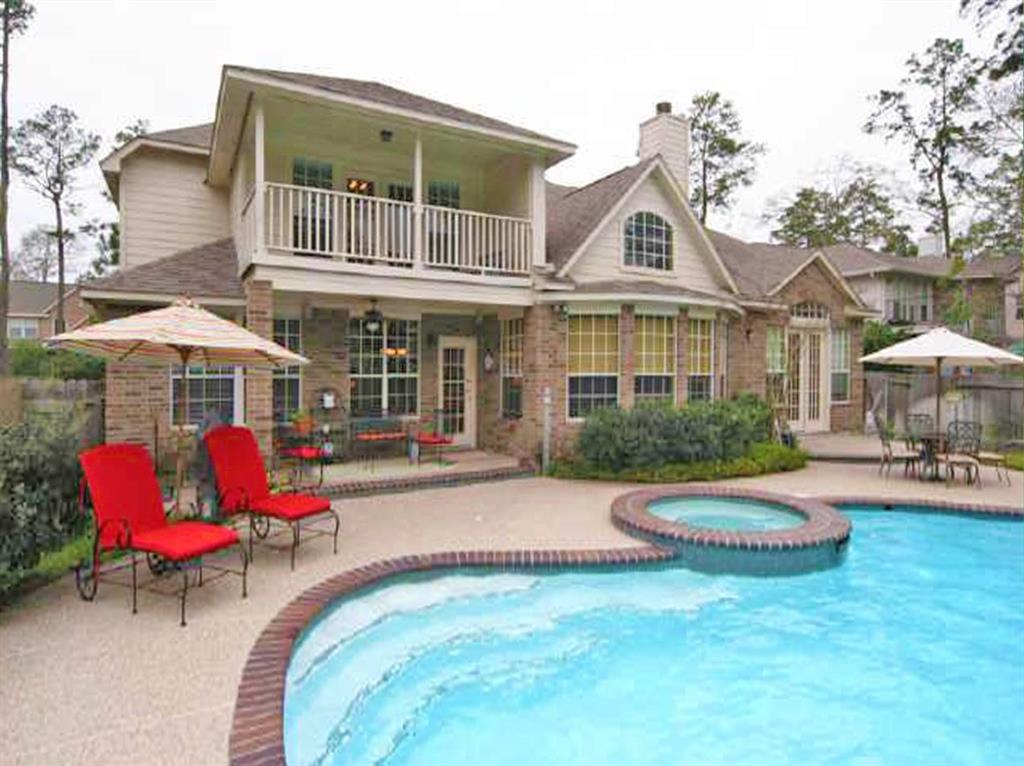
pixel 31 359
pixel 654 436
pixel 1015 460
pixel 766 457
pixel 38 492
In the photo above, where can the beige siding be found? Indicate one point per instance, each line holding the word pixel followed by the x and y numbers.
pixel 603 259
pixel 166 206
pixel 871 290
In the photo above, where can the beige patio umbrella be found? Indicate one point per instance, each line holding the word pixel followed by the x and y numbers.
pixel 182 333
pixel 941 346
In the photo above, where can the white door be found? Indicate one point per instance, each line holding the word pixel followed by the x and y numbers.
pixel 807 377
pixel 456 364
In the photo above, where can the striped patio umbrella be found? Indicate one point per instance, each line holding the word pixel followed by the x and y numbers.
pixel 182 333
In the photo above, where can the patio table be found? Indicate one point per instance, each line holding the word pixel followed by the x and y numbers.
pixel 932 443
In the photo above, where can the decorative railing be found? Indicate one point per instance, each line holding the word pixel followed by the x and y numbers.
pixel 373 230
pixel 464 240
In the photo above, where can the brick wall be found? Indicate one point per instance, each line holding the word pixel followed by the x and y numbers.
pixel 259 393
pixel 814 284
pixel 324 344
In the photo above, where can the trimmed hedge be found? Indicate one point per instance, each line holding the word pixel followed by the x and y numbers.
pixel 647 438
pixel 766 457
pixel 31 359
pixel 38 492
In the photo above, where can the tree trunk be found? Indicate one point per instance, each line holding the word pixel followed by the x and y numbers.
pixel 5 178
pixel 944 213
pixel 704 193
pixel 59 326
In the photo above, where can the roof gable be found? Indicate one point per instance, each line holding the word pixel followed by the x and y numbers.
pixel 581 215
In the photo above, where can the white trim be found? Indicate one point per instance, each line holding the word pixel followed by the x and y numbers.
pixel 595 308
pixel 157 298
pixel 270 81
pixel 655 310
pixel 112 162
pixel 634 298
pixel 469 344
pixel 695 225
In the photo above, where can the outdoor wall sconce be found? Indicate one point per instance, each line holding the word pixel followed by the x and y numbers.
pixel 386 136
pixel 562 311
pixel 373 318
pixel 488 360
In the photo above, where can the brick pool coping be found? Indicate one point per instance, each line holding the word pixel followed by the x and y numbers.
pixel 257 730
pixel 823 524
pixel 920 505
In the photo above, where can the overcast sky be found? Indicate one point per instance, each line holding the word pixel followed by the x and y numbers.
pixel 798 71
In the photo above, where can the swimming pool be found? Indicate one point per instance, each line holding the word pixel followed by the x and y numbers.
pixel 909 652
pixel 726 513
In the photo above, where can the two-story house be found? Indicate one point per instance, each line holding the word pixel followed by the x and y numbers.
pixel 915 293
pixel 414 252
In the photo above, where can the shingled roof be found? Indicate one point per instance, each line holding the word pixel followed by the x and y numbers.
pixel 198 136
pixel 572 214
pixel 384 94
pixel 756 267
pixel 851 259
pixel 207 271
pixel 30 298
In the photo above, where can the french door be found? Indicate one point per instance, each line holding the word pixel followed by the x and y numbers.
pixel 806 375
pixel 456 380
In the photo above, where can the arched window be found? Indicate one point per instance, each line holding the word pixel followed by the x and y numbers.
pixel 647 242
pixel 809 310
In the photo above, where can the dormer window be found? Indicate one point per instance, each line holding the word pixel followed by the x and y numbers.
pixel 647 242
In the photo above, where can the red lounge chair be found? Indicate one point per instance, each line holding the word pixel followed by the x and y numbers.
pixel 128 513
pixel 242 486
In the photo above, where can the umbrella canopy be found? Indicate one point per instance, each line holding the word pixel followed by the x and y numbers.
pixel 180 333
pixel 942 346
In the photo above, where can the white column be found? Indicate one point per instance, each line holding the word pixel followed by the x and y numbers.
pixel 417 203
pixel 259 177
pixel 538 213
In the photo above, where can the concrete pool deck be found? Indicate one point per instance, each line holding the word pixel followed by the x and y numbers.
pixel 90 683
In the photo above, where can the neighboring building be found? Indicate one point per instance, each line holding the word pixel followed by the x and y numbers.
pixel 915 293
pixel 32 313
pixel 414 252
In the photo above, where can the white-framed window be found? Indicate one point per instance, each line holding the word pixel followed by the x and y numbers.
pixel 20 328
pixel 647 242
pixel 312 173
pixel 908 300
pixel 213 390
pixel 700 377
pixel 384 377
pixel 840 365
pixel 511 361
pixel 775 364
pixel 444 194
pixel 401 192
pixel 809 310
pixel 593 363
pixel 287 381
pixel 654 358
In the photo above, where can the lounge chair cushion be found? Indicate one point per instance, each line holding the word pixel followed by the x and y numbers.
pixel 291 506
pixel 433 440
pixel 303 453
pixel 184 540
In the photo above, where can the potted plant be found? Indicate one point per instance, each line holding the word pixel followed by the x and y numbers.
pixel 302 422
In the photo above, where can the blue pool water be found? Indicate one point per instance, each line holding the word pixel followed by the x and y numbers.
pixel 910 652
pixel 727 513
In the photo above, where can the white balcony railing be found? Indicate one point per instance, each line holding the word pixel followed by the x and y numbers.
pixel 468 241
pixel 373 230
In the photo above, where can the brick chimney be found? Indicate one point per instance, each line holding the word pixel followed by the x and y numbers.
pixel 668 134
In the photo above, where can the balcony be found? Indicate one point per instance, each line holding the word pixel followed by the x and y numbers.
pixel 357 229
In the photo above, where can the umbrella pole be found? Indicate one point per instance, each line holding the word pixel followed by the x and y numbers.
pixel 938 394
pixel 179 469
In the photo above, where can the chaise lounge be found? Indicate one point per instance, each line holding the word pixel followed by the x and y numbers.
pixel 128 514
pixel 243 489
